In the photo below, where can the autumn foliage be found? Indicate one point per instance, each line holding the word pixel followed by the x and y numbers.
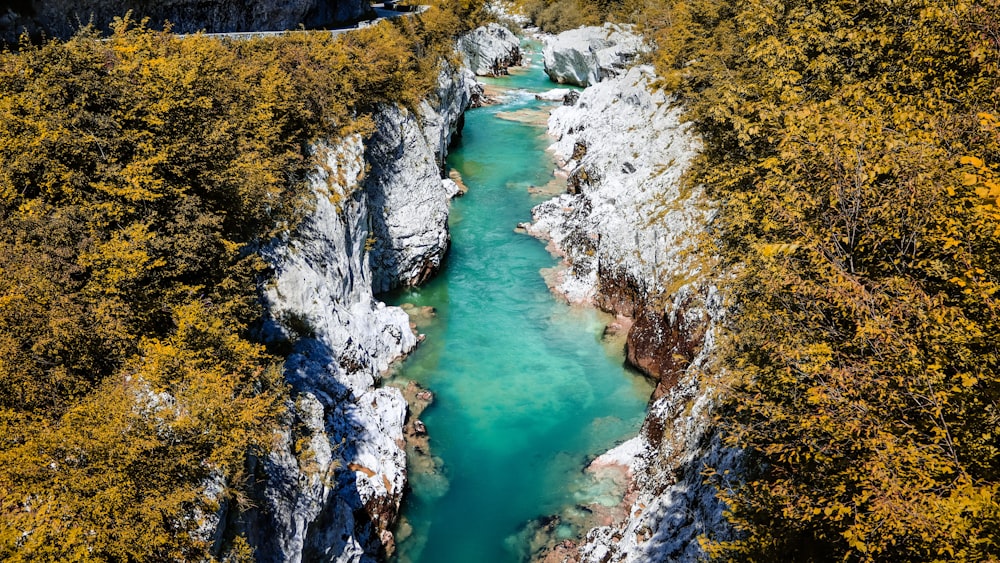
pixel 853 149
pixel 139 175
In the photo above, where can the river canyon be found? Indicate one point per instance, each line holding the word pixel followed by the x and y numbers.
pixel 526 392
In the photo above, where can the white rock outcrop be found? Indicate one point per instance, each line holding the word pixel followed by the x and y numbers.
pixel 337 473
pixel 409 236
pixel 623 232
pixel 442 116
pixel 587 55
pixel 489 50
pixel 331 488
pixel 623 150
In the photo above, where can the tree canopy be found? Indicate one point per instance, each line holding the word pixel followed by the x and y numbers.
pixel 853 149
pixel 139 175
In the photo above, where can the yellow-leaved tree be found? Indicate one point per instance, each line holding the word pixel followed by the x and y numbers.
pixel 852 148
pixel 140 174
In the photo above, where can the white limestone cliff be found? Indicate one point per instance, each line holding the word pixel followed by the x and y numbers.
pixel 587 55
pixel 623 150
pixel 409 236
pixel 338 465
pixel 624 232
pixel 331 488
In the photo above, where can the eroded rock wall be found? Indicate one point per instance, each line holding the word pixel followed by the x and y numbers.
pixel 489 50
pixel 626 223
pixel 626 230
pixel 331 488
pixel 408 197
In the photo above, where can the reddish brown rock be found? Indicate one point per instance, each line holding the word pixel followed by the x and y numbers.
pixel 662 345
pixel 618 293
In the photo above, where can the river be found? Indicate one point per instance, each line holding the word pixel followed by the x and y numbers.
pixel 526 391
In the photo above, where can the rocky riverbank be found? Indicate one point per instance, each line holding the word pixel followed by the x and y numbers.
pixel 331 488
pixel 625 231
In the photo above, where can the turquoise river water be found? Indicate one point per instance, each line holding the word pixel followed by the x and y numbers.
pixel 525 391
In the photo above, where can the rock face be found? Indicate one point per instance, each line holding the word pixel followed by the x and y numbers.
pixel 623 231
pixel 331 488
pixel 60 18
pixel 409 235
pixel 489 50
pixel 587 55
pixel 331 484
pixel 626 224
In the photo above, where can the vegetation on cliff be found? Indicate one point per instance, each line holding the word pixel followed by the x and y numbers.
pixel 139 174
pixel 853 148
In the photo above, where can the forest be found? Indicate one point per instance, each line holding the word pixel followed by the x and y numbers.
pixel 852 150
pixel 140 173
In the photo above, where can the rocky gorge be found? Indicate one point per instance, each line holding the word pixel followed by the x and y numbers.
pixel 331 488
pixel 624 231
pixel 246 314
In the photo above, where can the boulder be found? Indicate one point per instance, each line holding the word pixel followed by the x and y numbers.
pixel 489 50
pixel 587 55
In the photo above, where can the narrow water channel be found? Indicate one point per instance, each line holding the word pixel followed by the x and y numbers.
pixel 525 391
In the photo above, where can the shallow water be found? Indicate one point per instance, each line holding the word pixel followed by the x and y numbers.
pixel 525 391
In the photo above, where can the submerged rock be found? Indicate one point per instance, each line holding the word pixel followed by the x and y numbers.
pixel 587 55
pixel 460 188
pixel 489 50
pixel 426 470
